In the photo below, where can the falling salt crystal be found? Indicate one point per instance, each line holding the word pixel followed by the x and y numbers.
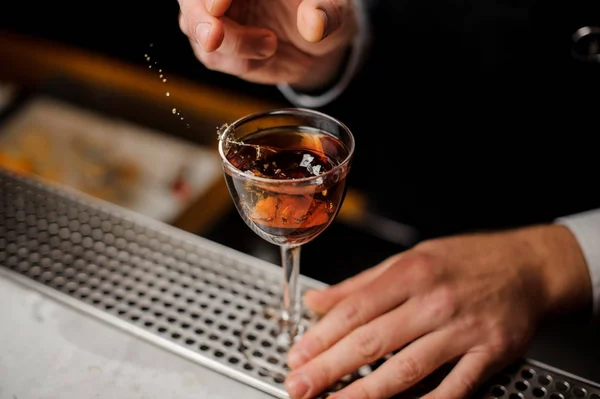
pixel 174 110
pixel 168 94
pixel 182 118
pixel 160 75
pixel 160 71
pixel 151 44
pixel 145 55
pixel 164 80
pixel 188 125
pixel 149 66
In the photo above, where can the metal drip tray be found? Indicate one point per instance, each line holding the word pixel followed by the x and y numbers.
pixel 179 291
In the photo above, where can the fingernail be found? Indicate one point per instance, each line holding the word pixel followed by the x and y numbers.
pixel 266 46
pixel 211 4
pixel 297 385
pixel 296 357
pixel 202 32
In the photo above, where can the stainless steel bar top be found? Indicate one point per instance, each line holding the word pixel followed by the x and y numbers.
pixel 99 302
pixel 52 351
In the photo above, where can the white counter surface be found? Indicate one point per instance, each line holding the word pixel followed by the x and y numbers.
pixel 49 350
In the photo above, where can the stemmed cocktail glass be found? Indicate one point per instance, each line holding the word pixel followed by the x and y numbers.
pixel 286 172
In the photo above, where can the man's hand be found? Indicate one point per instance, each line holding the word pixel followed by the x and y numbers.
pixel 473 300
pixel 301 43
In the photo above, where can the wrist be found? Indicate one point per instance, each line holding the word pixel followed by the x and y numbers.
pixel 561 266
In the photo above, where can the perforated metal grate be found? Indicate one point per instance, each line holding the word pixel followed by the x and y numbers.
pixel 180 291
pixel 531 379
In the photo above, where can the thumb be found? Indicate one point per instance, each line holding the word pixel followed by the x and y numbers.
pixel 318 19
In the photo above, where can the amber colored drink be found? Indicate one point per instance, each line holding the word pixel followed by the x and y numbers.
pixel 288 213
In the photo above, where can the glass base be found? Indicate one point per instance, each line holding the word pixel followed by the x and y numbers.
pixel 267 337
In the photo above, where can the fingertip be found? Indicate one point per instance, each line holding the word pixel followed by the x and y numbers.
pixel 267 45
pixel 296 357
pixel 312 22
pixel 311 295
pixel 316 301
pixel 209 35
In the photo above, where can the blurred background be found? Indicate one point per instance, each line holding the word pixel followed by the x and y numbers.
pixel 486 102
pixel 109 99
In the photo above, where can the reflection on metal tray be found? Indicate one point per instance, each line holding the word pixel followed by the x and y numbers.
pixel 179 291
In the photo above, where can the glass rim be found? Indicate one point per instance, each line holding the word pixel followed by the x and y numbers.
pixel 284 111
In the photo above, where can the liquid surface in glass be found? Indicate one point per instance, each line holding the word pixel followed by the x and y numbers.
pixel 286 212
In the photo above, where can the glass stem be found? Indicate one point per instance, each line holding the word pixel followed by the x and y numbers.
pixel 291 312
